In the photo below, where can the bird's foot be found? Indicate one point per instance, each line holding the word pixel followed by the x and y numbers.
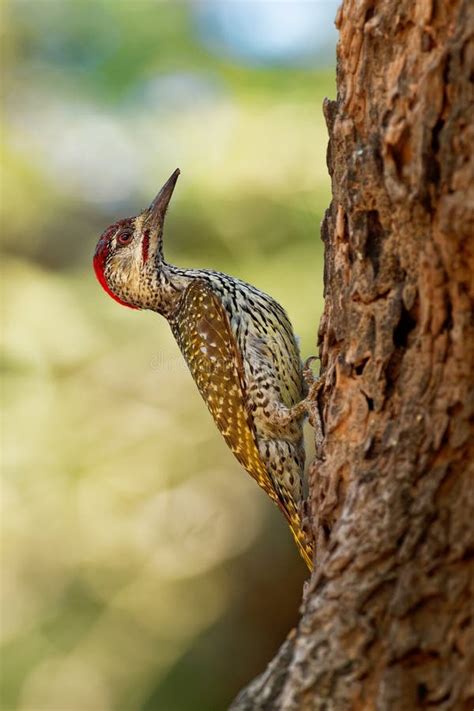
pixel 280 415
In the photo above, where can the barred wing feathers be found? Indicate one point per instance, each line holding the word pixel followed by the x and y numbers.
pixel 204 335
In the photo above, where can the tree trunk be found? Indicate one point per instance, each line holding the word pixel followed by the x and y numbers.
pixel 386 617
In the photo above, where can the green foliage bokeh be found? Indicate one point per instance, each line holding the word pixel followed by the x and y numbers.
pixel 142 568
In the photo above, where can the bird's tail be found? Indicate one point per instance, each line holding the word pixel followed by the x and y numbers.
pixel 302 540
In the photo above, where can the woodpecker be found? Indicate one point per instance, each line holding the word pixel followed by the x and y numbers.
pixel 238 344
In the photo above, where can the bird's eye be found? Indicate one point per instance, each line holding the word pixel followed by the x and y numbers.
pixel 124 237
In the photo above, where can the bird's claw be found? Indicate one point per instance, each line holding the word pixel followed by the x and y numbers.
pixel 308 374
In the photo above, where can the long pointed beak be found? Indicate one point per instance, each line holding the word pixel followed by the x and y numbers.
pixel 157 209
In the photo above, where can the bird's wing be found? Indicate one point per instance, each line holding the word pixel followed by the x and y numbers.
pixel 204 335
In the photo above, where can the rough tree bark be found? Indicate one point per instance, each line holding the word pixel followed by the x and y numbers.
pixel 387 615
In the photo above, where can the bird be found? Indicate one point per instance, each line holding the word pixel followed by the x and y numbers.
pixel 238 344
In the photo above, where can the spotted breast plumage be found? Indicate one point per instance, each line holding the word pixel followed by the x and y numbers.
pixel 239 346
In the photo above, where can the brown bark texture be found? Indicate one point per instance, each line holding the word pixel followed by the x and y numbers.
pixel 386 619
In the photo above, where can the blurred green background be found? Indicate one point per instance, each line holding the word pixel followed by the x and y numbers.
pixel 142 568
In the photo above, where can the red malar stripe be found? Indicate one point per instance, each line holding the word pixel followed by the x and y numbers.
pixel 145 245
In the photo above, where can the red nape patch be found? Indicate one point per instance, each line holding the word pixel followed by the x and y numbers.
pixel 100 258
pixel 145 245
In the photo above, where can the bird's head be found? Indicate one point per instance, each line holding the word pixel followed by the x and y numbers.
pixel 129 253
